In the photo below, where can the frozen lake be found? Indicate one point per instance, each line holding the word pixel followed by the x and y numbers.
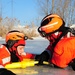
pixel 36 47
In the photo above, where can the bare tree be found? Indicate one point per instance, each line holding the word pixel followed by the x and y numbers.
pixel 44 8
pixel 64 8
pixel 61 7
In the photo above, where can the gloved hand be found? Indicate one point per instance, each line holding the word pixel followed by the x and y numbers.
pixel 44 56
pixel 73 64
pixel 4 71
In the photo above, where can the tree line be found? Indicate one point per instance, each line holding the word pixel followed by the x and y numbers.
pixel 64 8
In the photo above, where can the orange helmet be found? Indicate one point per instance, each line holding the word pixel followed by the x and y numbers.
pixel 50 24
pixel 14 39
pixel 15 35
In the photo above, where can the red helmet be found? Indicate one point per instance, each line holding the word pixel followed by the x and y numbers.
pixel 50 24
pixel 15 38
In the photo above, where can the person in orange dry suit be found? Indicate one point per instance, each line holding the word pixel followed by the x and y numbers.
pixel 61 51
pixel 13 50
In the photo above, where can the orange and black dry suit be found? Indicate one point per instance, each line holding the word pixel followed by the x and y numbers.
pixel 63 52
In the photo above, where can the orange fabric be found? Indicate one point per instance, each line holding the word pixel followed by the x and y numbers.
pixel 4 55
pixel 64 52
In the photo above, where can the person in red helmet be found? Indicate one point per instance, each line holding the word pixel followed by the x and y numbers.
pixel 61 50
pixel 15 42
pixel 13 50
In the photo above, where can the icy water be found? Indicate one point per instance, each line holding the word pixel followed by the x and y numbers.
pixel 36 47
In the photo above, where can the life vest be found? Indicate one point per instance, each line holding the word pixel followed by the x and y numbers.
pixel 64 52
pixel 4 55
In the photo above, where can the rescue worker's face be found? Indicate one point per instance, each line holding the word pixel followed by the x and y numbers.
pixel 20 50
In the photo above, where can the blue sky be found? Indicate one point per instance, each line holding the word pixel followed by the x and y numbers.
pixel 23 10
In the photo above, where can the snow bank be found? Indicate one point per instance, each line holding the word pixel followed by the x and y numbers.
pixel 1 38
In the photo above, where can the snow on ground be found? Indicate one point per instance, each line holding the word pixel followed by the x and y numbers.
pixel 1 38
pixel 39 38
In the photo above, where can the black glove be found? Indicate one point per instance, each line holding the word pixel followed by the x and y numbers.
pixel 14 57
pixel 44 56
pixel 4 71
pixel 73 64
